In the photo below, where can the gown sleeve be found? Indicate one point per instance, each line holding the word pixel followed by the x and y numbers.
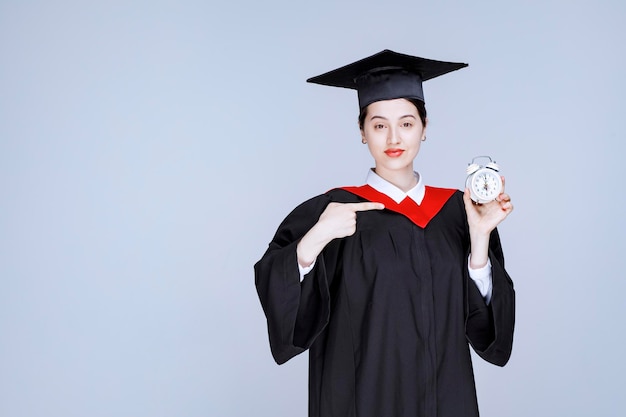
pixel 296 312
pixel 489 328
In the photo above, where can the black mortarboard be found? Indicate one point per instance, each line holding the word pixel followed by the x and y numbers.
pixel 386 75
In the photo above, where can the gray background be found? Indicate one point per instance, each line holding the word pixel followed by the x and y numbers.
pixel 149 150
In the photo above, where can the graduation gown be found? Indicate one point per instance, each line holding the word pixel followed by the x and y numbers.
pixel 388 312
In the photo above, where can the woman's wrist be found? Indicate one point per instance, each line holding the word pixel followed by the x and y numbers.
pixel 309 247
pixel 479 249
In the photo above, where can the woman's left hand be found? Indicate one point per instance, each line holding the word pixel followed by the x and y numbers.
pixel 483 218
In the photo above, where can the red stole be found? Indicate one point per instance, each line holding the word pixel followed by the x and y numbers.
pixel 434 200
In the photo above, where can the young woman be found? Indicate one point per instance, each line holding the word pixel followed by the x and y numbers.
pixel 387 284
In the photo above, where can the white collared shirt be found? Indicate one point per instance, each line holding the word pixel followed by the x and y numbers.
pixel 481 276
pixel 381 185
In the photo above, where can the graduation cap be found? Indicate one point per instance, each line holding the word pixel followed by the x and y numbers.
pixel 386 75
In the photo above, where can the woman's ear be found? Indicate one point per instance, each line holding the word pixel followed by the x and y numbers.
pixel 424 129
pixel 363 140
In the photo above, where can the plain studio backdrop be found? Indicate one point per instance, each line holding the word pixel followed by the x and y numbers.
pixel 149 150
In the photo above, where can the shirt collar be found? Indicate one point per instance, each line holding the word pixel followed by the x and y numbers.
pixel 381 185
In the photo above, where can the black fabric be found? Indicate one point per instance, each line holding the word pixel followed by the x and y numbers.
pixel 386 313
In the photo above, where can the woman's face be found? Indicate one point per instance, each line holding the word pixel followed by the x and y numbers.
pixel 393 132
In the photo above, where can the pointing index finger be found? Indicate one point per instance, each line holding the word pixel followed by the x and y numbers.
pixel 366 206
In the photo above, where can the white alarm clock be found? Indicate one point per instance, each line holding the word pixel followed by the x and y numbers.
pixel 483 181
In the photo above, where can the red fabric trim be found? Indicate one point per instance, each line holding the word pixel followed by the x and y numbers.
pixel 433 202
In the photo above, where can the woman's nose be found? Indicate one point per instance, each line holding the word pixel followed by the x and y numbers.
pixel 393 136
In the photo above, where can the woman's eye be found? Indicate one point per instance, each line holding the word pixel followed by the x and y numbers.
pixel 407 124
pixel 379 126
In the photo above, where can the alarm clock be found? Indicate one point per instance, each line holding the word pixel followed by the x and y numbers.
pixel 483 181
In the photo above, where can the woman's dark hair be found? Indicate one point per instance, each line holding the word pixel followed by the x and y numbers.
pixel 419 104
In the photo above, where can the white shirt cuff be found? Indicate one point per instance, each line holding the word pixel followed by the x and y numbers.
pixel 482 279
pixel 305 270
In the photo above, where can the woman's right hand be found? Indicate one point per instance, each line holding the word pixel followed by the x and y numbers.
pixel 338 220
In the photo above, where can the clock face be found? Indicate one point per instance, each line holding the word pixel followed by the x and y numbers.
pixel 485 184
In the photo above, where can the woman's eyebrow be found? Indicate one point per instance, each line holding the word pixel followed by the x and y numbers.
pixel 384 118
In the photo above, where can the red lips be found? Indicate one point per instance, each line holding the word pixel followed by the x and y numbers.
pixel 394 152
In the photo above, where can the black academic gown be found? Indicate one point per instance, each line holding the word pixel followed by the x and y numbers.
pixel 386 313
